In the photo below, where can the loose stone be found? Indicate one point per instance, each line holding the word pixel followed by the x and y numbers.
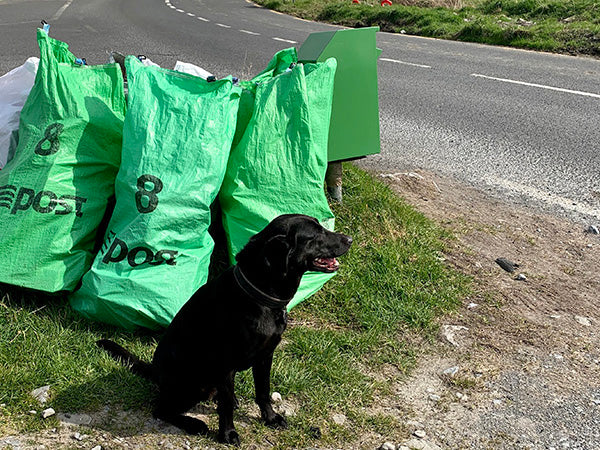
pixel 420 434
pixel 387 446
pixel 48 413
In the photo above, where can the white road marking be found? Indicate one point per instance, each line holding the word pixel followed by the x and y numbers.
pixel 179 10
pixel 405 63
pixel 222 25
pixel 61 10
pixel 171 6
pixel 250 32
pixel 202 19
pixel 285 40
pixel 542 86
pixel 191 14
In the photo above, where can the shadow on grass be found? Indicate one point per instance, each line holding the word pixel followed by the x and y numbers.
pixel 135 418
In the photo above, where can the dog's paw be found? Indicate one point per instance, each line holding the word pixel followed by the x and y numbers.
pixel 229 437
pixel 277 421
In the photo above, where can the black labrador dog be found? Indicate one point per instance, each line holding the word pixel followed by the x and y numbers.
pixel 233 323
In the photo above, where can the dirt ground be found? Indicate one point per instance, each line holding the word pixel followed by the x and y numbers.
pixel 517 367
pixel 522 357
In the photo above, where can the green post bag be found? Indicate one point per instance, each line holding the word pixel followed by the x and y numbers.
pixel 54 192
pixel 279 158
pixel 176 140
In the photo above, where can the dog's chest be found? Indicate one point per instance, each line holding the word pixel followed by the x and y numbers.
pixel 269 325
pixel 261 334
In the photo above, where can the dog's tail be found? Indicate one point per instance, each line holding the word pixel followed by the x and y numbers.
pixel 136 365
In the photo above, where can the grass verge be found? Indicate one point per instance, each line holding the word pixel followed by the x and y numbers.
pixel 391 288
pixel 549 25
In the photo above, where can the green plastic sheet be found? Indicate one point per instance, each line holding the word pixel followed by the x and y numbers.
pixel 279 159
pixel 54 192
pixel 177 138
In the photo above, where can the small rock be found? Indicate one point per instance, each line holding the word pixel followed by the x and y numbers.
pixel 507 264
pixel 48 413
pixel 555 316
pixel 387 446
pixel 41 394
pixel 596 401
pixel 33 412
pixel 420 434
pixel 451 371
pixel 97 447
pixel 402 31
pixel 521 277
pixel 434 398
pixel 77 437
pixel 472 305
pixel 558 357
pixel 339 419
pixel 497 402
pixel 415 444
pixel 449 333
pixel 276 397
pixel 592 229
pixel 583 321
pixel 459 395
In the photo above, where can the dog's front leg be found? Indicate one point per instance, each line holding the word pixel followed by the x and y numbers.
pixel 262 387
pixel 225 404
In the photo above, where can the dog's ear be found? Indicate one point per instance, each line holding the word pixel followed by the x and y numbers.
pixel 276 252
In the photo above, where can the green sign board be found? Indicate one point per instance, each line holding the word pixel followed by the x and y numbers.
pixel 354 129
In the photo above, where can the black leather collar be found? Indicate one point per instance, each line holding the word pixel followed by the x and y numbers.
pixel 256 294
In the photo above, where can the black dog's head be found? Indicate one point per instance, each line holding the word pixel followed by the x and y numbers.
pixel 293 244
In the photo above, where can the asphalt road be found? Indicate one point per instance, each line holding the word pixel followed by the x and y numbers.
pixel 522 125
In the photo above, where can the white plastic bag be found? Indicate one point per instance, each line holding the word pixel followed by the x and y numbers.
pixel 14 90
pixel 192 69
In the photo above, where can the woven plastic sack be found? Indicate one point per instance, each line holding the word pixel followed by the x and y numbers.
pixel 14 90
pixel 54 192
pixel 279 159
pixel 177 138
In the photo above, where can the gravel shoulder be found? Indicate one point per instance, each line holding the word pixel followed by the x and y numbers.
pixel 516 367
pixel 522 358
